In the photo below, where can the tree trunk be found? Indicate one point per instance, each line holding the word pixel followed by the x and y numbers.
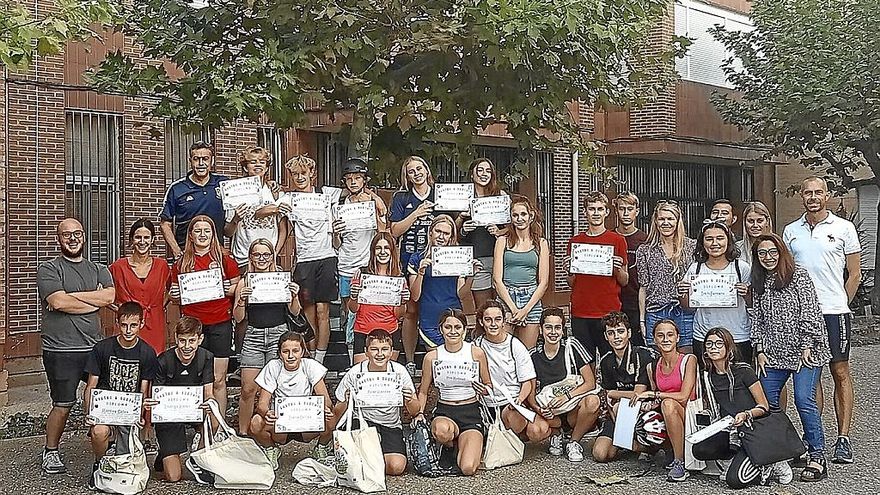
pixel 361 133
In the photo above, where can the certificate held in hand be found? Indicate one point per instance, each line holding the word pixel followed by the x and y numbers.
pixel 308 207
pixel 269 287
pixel 379 389
pixel 453 197
pixel 360 216
pixel 299 414
pixel 244 191
pixel 108 407
pixel 452 261
pixel 592 259
pixel 201 286
pixel 713 290
pixel 455 373
pixel 380 290
pixel 491 210
pixel 177 404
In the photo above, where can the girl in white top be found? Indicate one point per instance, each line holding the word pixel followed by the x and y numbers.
pixel 510 369
pixel 291 375
pixel 457 417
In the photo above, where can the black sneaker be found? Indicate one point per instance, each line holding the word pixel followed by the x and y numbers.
pixel 91 481
pixel 201 476
pixel 843 453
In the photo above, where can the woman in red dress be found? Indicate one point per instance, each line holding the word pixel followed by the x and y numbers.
pixel 143 278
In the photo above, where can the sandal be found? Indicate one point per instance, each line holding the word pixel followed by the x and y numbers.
pixel 812 473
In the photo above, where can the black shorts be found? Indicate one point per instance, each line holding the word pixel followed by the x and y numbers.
pixel 391 439
pixel 591 334
pixel 360 342
pixel 839 336
pixel 295 437
pixel 607 429
pixel 465 416
pixel 218 339
pixel 318 281
pixel 172 438
pixel 64 371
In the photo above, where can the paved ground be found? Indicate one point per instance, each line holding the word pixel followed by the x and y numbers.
pixel 20 474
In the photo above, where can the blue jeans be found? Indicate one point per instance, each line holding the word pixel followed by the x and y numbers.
pixel 684 320
pixel 344 292
pixel 805 382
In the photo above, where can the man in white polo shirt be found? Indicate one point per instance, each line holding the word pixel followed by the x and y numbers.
pixel 825 244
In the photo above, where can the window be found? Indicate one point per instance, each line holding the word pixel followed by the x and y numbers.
pixel 450 171
pixel 272 139
pixel 545 196
pixel 704 57
pixel 177 143
pixel 332 152
pixel 93 152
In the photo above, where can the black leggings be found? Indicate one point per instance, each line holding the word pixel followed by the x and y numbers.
pixel 741 472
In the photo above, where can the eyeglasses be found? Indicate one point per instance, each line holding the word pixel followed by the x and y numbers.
pixel 714 344
pixel 764 253
pixel 261 256
pixel 76 234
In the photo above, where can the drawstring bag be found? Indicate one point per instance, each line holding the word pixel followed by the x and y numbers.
pixel 770 439
pixel 503 446
pixel 691 410
pixel 126 473
pixel 423 453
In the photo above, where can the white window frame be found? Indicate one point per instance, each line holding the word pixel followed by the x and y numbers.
pixel 726 18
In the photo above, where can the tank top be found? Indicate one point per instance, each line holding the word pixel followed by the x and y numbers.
pixel 456 393
pixel 266 315
pixel 675 379
pixel 520 269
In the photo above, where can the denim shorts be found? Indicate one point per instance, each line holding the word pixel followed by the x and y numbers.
pixel 344 286
pixel 521 296
pixel 683 318
pixel 260 345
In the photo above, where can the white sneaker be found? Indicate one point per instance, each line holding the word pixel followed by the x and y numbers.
pixel 713 468
pixel 51 462
pixel 273 454
pixel 782 472
pixel 574 452
pixel 556 444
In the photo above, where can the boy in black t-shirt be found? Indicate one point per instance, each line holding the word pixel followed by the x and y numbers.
pixel 623 374
pixel 186 365
pixel 123 363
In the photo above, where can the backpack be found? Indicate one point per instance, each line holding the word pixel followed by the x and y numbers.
pixel 423 452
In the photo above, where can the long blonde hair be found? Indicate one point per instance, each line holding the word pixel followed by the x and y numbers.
pixel 187 261
pixel 655 237
pixel 536 228
pixel 761 209
pixel 404 180
pixel 273 267
pixel 438 220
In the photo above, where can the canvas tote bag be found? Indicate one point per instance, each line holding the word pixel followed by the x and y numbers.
pixel 127 473
pixel 360 463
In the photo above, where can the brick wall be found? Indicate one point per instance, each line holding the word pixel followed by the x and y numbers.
pixel 657 118
pixel 3 258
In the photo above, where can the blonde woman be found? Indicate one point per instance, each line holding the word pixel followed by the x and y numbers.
pixel 266 322
pixel 757 221
pixel 662 262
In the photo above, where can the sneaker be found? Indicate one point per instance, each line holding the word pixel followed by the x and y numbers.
pixel 52 462
pixel 556 444
pixel 712 468
pixel 411 368
pixel 678 472
pixel 273 454
pixel 151 447
pixel 90 483
pixel 324 454
pixel 725 466
pixel 782 473
pixel 574 452
pixel 201 476
pixel 843 453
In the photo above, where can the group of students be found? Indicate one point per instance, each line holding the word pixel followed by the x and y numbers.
pixel 632 331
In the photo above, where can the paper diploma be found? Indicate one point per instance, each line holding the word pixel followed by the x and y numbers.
pixel 308 207
pixel 378 389
pixel 380 290
pixel 269 287
pixel 455 373
pixel 720 425
pixel 625 424
pixel 177 404
pixel 358 216
pixel 111 408
pixel 592 259
pixel 453 197
pixel 200 286
pixel 713 290
pixel 299 414
pixel 452 261
pixel 244 191
pixel 491 210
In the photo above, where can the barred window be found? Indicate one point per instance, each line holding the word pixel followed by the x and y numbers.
pixel 272 139
pixel 178 139
pixel 93 153
pixel 332 153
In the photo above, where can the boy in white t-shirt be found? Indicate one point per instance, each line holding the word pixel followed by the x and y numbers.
pixel 379 349
pixel 291 375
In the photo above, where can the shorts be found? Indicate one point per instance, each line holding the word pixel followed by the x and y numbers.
pixel 391 439
pixel 839 336
pixel 218 339
pixel 344 286
pixel 64 371
pixel 590 332
pixel 360 342
pixel 521 296
pixel 607 429
pixel 482 279
pixel 318 280
pixel 260 345
pixel 172 438
pixel 295 437
pixel 683 318
pixel 431 336
pixel 465 416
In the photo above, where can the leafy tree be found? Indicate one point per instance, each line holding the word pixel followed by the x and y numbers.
pixel 22 36
pixel 406 70
pixel 809 85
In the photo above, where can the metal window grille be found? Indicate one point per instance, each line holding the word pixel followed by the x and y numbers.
pixel 748 184
pixel 93 153
pixel 272 139
pixel 177 143
pixel 450 171
pixel 545 196
pixel 332 152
